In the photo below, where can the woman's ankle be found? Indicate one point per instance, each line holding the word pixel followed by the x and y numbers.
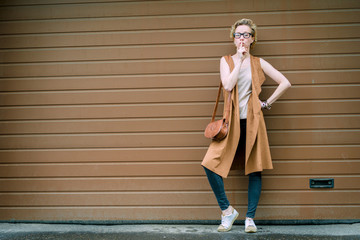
pixel 228 211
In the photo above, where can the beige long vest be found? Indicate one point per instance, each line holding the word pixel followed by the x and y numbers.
pixel 220 156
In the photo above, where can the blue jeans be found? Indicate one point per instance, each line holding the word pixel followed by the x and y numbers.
pixel 254 187
pixel 254 190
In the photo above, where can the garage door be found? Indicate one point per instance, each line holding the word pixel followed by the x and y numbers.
pixel 104 103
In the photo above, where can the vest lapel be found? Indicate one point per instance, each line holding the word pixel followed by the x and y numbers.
pixel 254 108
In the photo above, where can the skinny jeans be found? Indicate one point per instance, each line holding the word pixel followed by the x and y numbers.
pixel 254 187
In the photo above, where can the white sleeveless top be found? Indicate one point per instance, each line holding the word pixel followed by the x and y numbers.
pixel 244 89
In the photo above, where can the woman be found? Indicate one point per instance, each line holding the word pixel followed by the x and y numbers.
pixel 246 145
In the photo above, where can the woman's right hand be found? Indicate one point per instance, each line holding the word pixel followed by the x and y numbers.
pixel 243 51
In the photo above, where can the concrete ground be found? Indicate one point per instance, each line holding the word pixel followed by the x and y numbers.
pixel 32 231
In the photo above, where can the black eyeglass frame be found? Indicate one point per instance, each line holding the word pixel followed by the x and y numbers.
pixel 242 34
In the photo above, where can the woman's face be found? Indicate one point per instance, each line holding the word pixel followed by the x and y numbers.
pixel 242 41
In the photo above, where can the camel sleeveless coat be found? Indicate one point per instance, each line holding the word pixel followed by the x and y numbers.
pixel 220 156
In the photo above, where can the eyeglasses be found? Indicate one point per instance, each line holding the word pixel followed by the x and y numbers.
pixel 245 34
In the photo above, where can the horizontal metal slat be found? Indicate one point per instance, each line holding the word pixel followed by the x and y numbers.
pixel 274 198
pixel 178 213
pixel 169 125
pixel 314 152
pixel 307 32
pixel 169 110
pixel 159 8
pixel 176 95
pixel 326 62
pixel 182 139
pixel 177 51
pixel 128 185
pixel 339 167
pixel 315 78
pixel 121 23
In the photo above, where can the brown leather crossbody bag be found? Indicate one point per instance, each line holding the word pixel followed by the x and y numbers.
pixel 218 130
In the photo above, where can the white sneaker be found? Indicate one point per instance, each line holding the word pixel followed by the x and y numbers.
pixel 227 221
pixel 250 226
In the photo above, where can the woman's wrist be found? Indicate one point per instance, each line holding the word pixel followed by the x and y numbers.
pixel 265 105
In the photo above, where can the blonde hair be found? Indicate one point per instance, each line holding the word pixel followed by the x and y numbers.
pixel 250 24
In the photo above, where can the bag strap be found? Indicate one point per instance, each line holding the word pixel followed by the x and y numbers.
pixel 228 106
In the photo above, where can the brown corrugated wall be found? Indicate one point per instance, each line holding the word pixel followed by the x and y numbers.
pixel 103 106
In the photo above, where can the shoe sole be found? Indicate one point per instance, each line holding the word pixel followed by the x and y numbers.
pixel 226 230
pixel 251 230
